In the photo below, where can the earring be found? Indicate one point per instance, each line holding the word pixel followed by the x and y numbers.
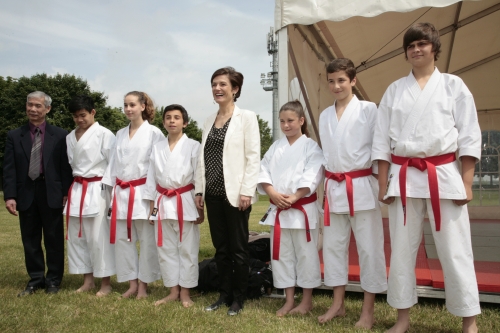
pixel 234 96
pixel 213 101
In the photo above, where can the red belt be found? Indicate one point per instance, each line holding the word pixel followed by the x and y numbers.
pixel 132 184
pixel 277 228
pixel 422 164
pixel 180 212
pixel 348 177
pixel 84 182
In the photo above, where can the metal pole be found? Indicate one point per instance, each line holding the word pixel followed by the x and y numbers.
pixel 270 81
pixel 276 106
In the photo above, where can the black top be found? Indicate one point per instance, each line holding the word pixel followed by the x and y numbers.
pixel 214 148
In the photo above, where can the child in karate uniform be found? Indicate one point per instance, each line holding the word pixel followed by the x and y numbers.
pixel 427 121
pixel 170 187
pixel 291 170
pixel 130 211
pixel 346 132
pixel 89 146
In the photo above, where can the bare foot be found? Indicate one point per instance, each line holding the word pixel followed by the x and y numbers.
pixel 104 291
pixel 130 292
pixel 365 322
pixel 185 298
pixel 399 327
pixel 303 308
pixel 85 287
pixel 285 309
pixel 469 325
pixel 333 311
pixel 170 298
pixel 143 290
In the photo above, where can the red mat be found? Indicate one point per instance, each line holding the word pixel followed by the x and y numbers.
pixel 422 270
pixel 487 275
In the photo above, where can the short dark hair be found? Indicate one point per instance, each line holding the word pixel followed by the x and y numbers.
pixel 236 78
pixel 171 107
pixel 81 102
pixel 425 31
pixel 342 64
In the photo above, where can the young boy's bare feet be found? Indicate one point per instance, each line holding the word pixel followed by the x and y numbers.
pixel 132 290
pixel 366 319
pixel 172 296
pixel 333 311
pixel 88 283
pixel 306 304
pixel 402 324
pixel 186 298
pixel 143 290
pixel 337 309
pixel 469 325
pixel 286 308
pixel 105 287
pixel 303 308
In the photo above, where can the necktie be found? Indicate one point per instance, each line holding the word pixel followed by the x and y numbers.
pixel 36 155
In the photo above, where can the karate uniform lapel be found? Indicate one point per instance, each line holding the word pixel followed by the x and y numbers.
pixel 420 105
pixel 79 145
pixel 338 133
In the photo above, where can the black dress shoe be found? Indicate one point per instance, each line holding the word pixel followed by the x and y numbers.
pixel 216 305
pixel 52 289
pixel 234 309
pixel 30 290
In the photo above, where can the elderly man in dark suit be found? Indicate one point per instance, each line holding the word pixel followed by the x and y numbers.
pixel 37 177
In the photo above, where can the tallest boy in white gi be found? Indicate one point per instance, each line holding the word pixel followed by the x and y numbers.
pixel 424 120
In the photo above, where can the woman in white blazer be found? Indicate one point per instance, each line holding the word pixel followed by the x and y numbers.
pixel 226 179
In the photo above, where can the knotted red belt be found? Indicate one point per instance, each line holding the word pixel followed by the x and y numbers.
pixel 348 177
pixel 277 227
pixel 84 182
pixel 132 184
pixel 180 212
pixel 422 164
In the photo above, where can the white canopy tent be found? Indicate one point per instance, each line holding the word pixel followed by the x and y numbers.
pixel 313 32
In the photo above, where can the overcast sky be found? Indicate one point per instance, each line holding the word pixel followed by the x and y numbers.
pixel 168 49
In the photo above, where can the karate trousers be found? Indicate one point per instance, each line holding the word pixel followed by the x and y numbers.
pixel 368 231
pixel 179 260
pixel 454 249
pixel 129 264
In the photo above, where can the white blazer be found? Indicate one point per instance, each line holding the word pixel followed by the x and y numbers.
pixel 241 156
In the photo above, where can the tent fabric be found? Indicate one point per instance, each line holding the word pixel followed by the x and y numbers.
pixel 472 51
pixel 311 11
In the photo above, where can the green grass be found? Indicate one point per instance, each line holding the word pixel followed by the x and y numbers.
pixel 70 312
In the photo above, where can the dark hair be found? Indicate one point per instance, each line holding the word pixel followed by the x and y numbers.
pixel 296 107
pixel 143 98
pixel 425 31
pixel 178 107
pixel 81 102
pixel 236 78
pixel 342 64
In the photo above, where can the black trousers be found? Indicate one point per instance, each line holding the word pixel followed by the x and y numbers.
pixel 40 219
pixel 229 231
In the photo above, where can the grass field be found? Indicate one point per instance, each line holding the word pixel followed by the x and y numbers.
pixel 70 312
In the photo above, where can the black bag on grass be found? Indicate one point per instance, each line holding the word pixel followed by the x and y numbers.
pixel 260 278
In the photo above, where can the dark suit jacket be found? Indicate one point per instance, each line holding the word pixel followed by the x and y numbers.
pixel 57 171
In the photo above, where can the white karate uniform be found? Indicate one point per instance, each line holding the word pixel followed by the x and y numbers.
pixel 347 145
pixel 437 120
pixel 288 168
pixel 130 161
pixel 173 170
pixel 89 157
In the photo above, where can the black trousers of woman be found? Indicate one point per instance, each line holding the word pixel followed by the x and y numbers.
pixel 229 231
